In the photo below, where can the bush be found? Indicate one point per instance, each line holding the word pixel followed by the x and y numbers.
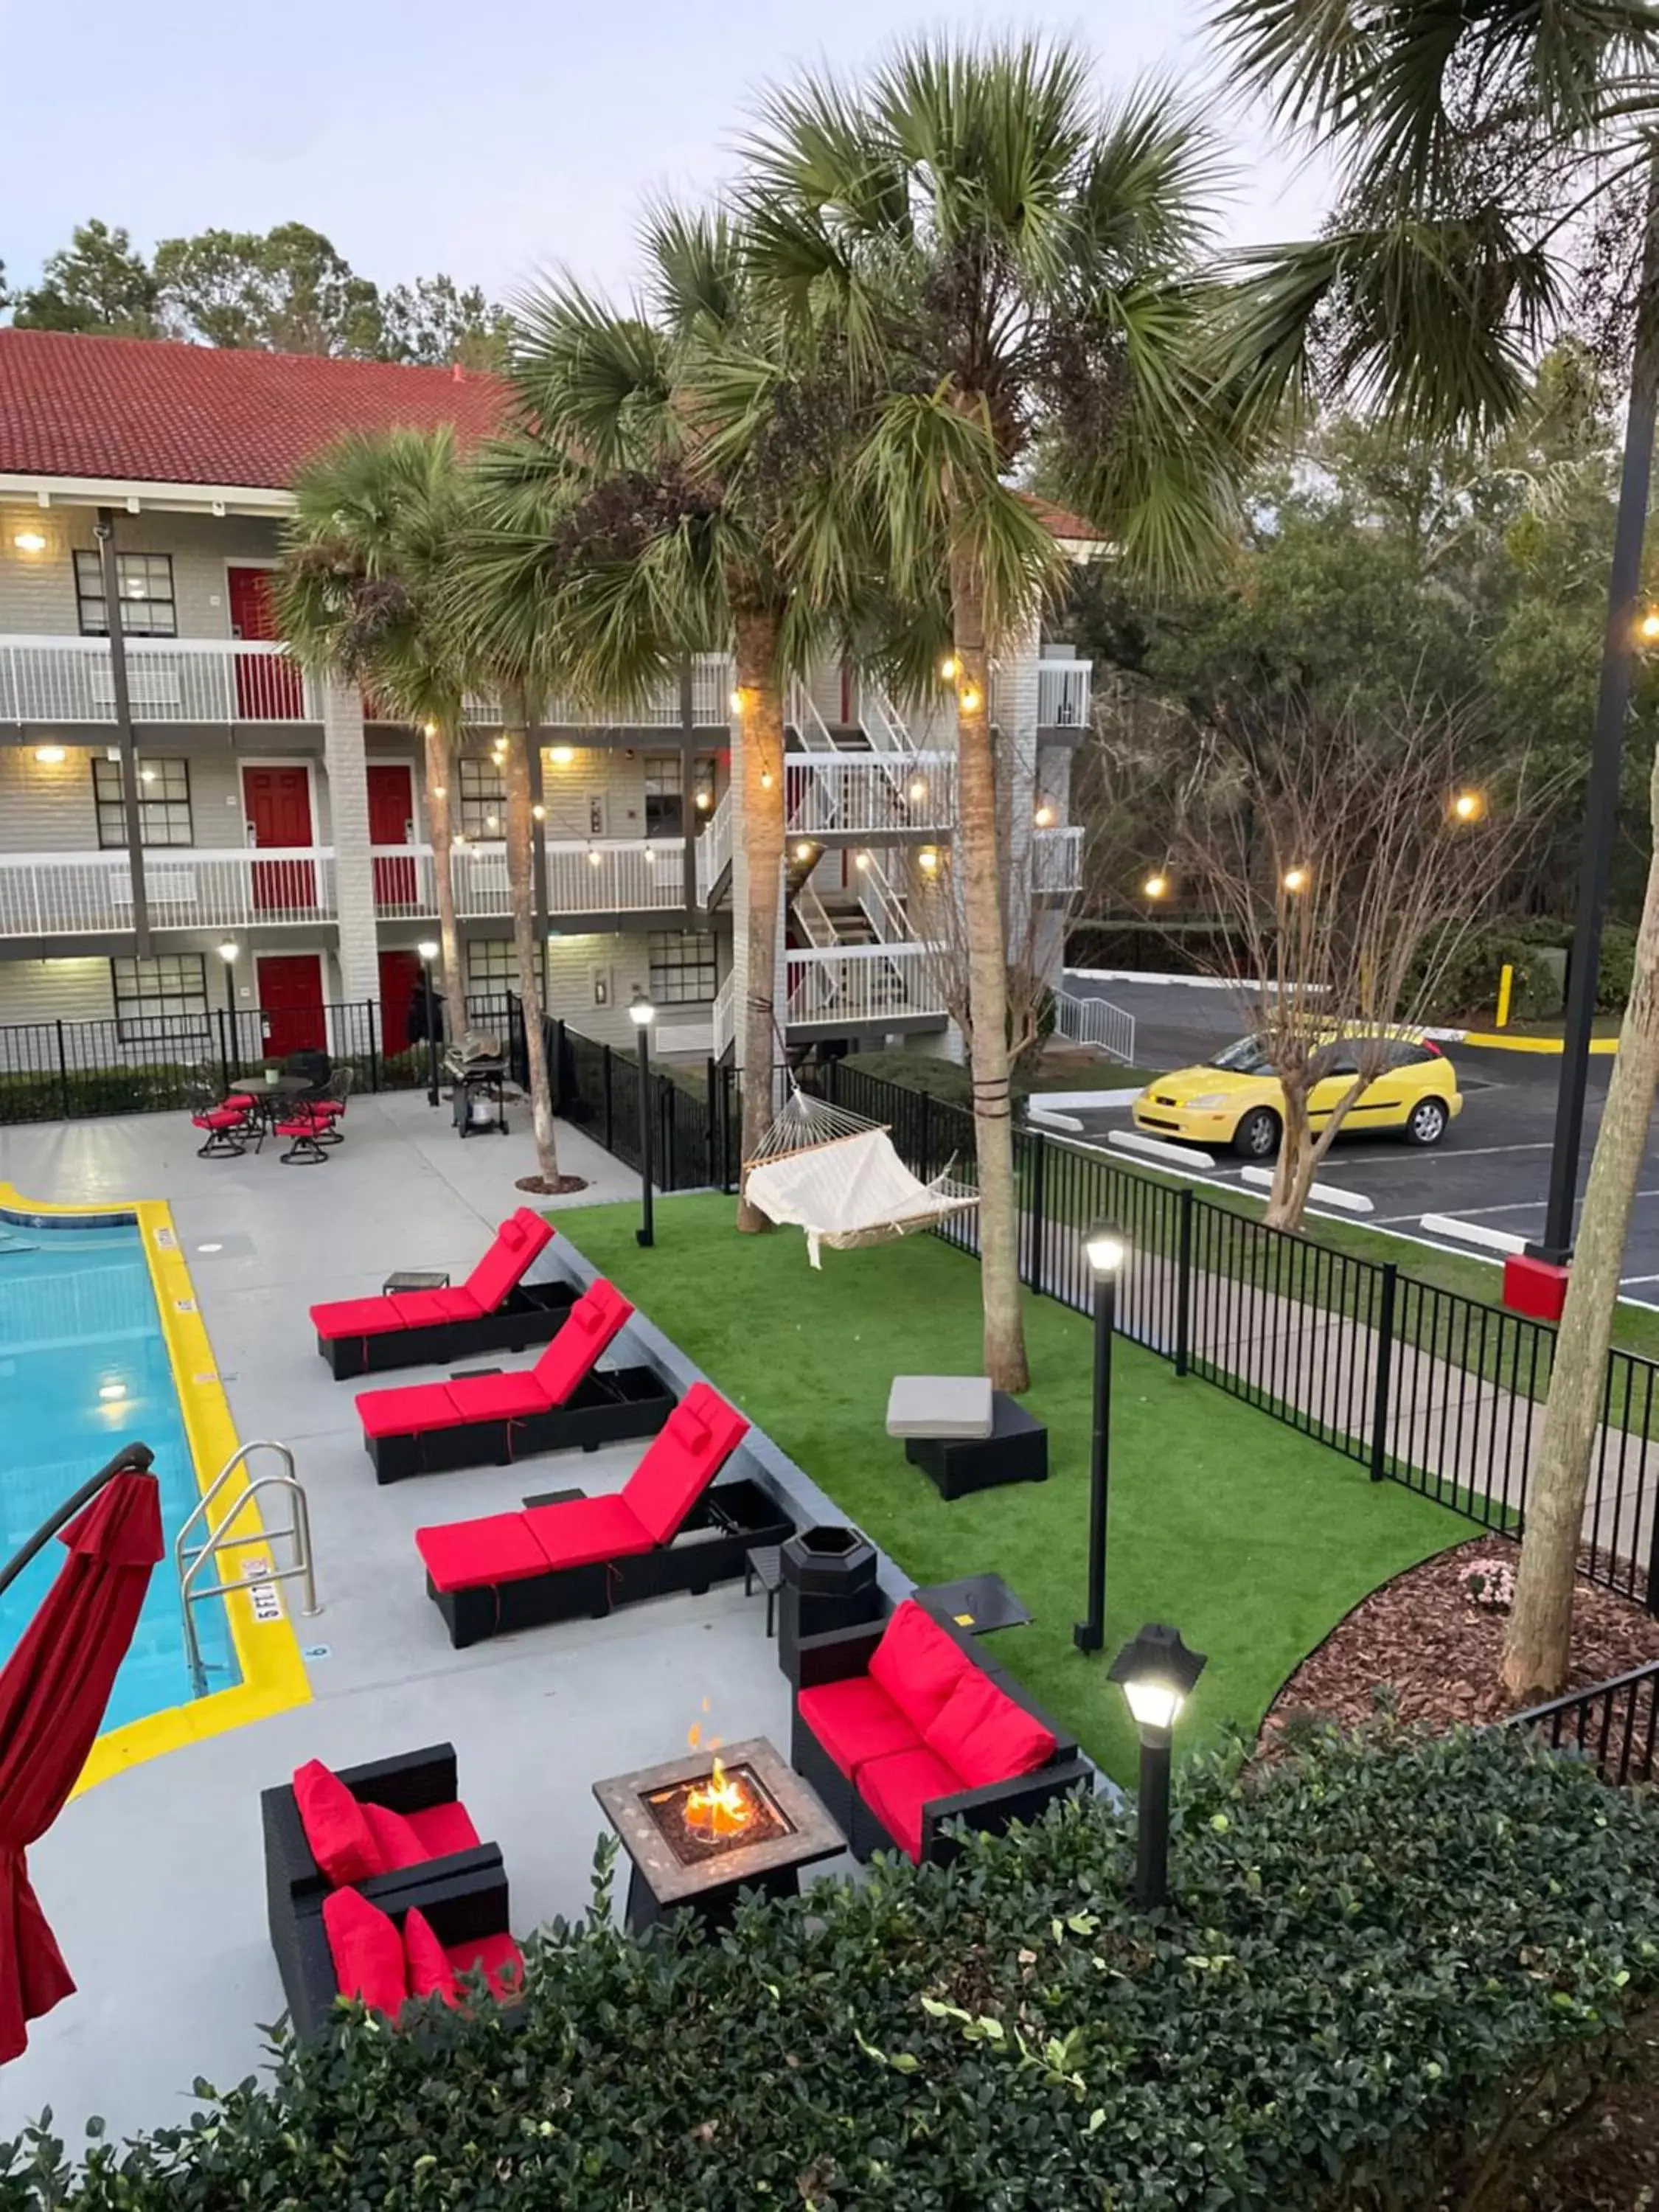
pixel 1387 1957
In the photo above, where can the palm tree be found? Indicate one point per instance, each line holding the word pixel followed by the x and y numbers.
pixel 1012 274
pixel 1500 168
pixel 645 513
pixel 358 595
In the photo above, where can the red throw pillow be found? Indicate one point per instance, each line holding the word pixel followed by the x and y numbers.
pixel 917 1664
pixel 430 1974
pixel 368 1951
pixel 985 1736
pixel 335 1826
pixel 396 1844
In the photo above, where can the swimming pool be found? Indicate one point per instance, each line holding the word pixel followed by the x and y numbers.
pixel 83 1370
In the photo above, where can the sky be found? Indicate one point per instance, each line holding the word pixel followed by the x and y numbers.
pixel 489 138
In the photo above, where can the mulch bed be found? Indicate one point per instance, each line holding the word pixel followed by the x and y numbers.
pixel 1439 1654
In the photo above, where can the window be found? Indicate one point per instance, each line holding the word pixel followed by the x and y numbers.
pixel 146 587
pixel 163 803
pixel 682 966
pixel 664 796
pixel 492 969
pixel 166 997
pixel 483 797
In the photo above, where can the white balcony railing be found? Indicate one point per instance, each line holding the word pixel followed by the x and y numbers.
pixel 725 1016
pixel 860 983
pixel 711 703
pixel 869 795
pixel 1057 860
pixel 1063 694
pixel 714 848
pixel 77 894
pixel 58 680
pixel 610 876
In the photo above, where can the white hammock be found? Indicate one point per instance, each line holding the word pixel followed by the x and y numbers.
pixel 837 1176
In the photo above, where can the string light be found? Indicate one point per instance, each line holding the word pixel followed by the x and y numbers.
pixel 969 700
pixel 1296 879
pixel 1155 886
pixel 734 700
pixel 428 729
pixel 918 790
pixel 1468 806
pixel 1045 818
pixel 860 861
pixel 1647 630
pixel 803 851
pixel 947 669
pixel 538 814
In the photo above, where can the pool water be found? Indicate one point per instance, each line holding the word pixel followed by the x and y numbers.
pixel 84 1370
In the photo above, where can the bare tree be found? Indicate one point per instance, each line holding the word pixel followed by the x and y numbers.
pixel 1347 866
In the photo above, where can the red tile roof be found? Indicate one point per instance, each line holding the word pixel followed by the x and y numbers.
pixel 1062 522
pixel 142 410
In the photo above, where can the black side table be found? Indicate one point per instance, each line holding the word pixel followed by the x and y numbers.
pixel 764 1565
pixel 416 1279
pixel 1016 1450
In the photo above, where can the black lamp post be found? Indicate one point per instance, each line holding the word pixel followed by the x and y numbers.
pixel 1158 1672
pixel 642 1013
pixel 230 1047
pixel 428 953
pixel 1107 1250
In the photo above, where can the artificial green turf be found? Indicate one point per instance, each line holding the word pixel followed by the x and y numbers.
pixel 1253 1540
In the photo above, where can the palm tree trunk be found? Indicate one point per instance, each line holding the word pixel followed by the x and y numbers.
pixel 762 711
pixel 520 885
pixel 1537 1647
pixel 979 850
pixel 440 781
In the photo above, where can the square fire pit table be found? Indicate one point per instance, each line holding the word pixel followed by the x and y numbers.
pixel 687 1852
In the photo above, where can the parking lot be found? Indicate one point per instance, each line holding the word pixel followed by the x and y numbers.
pixel 1492 1166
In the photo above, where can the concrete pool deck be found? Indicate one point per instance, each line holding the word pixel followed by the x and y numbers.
pixel 152 1880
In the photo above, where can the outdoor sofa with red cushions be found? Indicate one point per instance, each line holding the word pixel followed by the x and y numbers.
pixel 494 1310
pixel 902 1726
pixel 382 1828
pixel 665 1531
pixel 422 1941
pixel 489 1417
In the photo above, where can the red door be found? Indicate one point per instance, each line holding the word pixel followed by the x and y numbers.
pixel 268 688
pixel 291 996
pixel 278 804
pixel 400 986
pixel 392 822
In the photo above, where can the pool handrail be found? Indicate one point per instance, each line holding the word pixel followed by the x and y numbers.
pixel 131 1459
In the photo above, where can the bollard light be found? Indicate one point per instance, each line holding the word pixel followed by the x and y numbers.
pixel 1106 1249
pixel 1157 1674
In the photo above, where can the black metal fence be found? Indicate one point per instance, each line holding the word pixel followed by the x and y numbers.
pixel 1615 1725
pixel 691 1128
pixel 1420 1385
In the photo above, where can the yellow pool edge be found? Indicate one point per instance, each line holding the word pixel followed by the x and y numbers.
pixel 268 1651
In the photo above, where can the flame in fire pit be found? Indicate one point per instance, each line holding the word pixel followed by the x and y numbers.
pixel 721 1806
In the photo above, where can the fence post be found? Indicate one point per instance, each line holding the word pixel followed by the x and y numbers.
pixel 1038 1154
pixel 712 1176
pixel 925 1164
pixel 555 1063
pixel 63 1073
pixel 605 1070
pixel 224 1049
pixel 1384 1375
pixel 375 1070
pixel 1184 1282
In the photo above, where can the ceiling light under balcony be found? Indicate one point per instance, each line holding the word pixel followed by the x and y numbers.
pixel 146 775
pixel 50 756
pixel 562 756
pixel 30 541
pixel 594 858
pixel 860 861
pixel 704 802
pixel 803 851
pixel 927 860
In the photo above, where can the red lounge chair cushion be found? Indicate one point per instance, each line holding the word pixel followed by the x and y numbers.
pixel 335 1826
pixel 856 1720
pixel 985 1735
pixel 432 1308
pixel 396 1844
pixel 587 1530
pixel 408 1411
pixel 896 1788
pixel 498 1547
pixel 368 1951
pixel 917 1664
pixel 511 1397
pixel 357 1317
pixel 497 1958
pixel 425 1960
pixel 444 1828
pixel 688 1452
pixel 587 1329
pixel 520 1237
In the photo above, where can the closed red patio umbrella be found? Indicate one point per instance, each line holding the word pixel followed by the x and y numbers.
pixel 52 1695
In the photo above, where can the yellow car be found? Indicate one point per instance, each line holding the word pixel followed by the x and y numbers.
pixel 1237 1099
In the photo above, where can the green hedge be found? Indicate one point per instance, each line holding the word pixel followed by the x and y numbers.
pixel 1387 1957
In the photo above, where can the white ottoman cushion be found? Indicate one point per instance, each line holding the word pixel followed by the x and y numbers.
pixel 939 1405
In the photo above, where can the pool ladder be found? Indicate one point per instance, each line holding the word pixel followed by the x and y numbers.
pixel 190 1560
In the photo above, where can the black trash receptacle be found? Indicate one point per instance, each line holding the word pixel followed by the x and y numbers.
pixel 829 1581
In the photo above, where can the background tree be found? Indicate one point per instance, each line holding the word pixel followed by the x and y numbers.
pixel 288 290
pixel 98 283
pixel 1009 268
pixel 360 595
pixel 1501 171
pixel 1333 851
pixel 434 322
